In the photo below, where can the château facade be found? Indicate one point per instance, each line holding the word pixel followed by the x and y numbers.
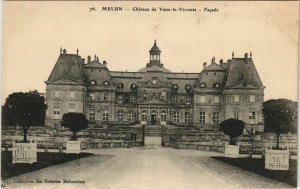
pixel 154 95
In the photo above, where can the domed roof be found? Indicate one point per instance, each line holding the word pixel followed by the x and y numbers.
pixel 154 68
pixel 155 48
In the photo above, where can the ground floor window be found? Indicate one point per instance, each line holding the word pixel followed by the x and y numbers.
pixel 105 115
pixel 56 112
pixel 202 117
pixel 176 116
pixel 216 117
pixel 144 115
pixel 131 116
pixel 252 115
pixel 120 115
pixel 92 114
pixel 236 115
pixel 187 116
pixel 163 116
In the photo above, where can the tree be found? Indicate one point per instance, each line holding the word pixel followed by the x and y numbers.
pixel 233 128
pixel 24 109
pixel 75 122
pixel 280 116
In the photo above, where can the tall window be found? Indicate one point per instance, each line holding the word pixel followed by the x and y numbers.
pixel 202 117
pixel 174 99
pixel 105 115
pixel 202 99
pixel 176 116
pixel 105 96
pixel 132 98
pixel 56 94
pixel 216 99
pixel 236 115
pixel 120 99
pixel 56 112
pixel 163 116
pixel 72 107
pixel 92 114
pixel 164 94
pixel 187 99
pixel 236 98
pixel 144 94
pixel 72 94
pixel 120 115
pixel 92 96
pixel 215 117
pixel 252 98
pixel 187 116
pixel 252 115
pixel 131 116
pixel 144 115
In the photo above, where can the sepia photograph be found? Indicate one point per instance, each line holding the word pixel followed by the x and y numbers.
pixel 149 94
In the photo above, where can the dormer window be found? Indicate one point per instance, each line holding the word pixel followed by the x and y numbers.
pixel 120 85
pixel 216 85
pixel 133 87
pixel 106 83
pixel 202 85
pixel 93 82
pixel 175 88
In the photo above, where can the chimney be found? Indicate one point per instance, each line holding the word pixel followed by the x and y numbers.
pixel 232 54
pixel 104 63
pixel 60 50
pixel 204 65
pixel 250 54
pixel 77 51
pixel 246 55
pixel 65 52
pixel 213 60
pixel 89 59
pixel 221 61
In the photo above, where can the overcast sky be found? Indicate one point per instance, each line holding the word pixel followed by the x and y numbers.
pixel 33 33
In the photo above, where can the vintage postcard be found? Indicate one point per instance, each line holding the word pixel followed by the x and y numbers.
pixel 149 94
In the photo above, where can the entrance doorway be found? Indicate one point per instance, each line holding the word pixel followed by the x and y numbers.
pixel 153 119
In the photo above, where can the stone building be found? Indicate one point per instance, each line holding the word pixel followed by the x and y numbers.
pixel 154 95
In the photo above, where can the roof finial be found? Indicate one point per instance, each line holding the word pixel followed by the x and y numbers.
pixel 155 42
pixel 95 57
pixel 60 50
pixel 250 54
pixel 232 54
pixel 77 51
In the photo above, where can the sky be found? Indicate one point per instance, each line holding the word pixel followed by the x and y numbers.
pixel 34 32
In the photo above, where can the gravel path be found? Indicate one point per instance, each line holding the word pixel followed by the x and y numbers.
pixel 148 167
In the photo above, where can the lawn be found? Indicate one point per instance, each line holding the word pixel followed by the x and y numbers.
pixel 257 166
pixel 44 159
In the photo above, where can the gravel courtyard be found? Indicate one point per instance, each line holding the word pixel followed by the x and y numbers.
pixel 149 167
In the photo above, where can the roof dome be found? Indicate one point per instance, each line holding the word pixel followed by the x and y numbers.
pixel 155 48
pixel 155 68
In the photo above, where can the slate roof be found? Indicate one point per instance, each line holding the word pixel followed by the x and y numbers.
pixel 67 67
pixel 70 69
pixel 242 69
pixel 155 68
pixel 155 48
pixel 94 64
